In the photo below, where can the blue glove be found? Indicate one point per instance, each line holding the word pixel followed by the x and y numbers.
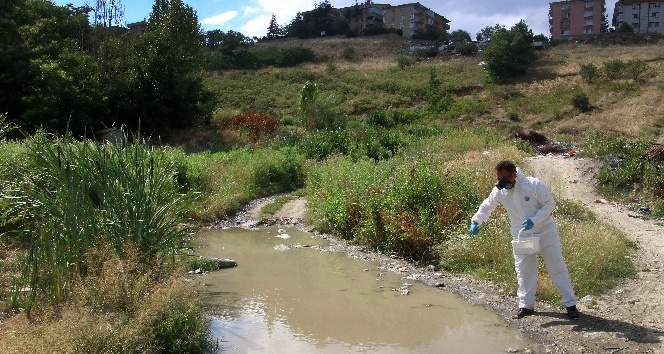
pixel 474 228
pixel 528 224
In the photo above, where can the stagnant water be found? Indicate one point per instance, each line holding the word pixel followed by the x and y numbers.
pixel 287 297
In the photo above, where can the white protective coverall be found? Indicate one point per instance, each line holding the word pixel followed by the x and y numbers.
pixel 531 199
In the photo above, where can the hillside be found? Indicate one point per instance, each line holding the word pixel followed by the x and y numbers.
pixel 541 100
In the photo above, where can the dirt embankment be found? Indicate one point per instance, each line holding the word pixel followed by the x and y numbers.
pixel 629 319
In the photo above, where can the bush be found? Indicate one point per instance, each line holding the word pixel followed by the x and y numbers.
pixel 466 49
pixel 255 124
pixel 589 72
pixel 402 208
pixel 613 69
pixel 581 102
pixel 405 61
pixel 283 173
pixel 348 53
pixel 391 118
pixel 635 69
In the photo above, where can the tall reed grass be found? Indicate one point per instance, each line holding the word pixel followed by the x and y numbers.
pixel 82 194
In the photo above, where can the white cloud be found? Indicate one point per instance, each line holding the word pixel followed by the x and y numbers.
pixel 256 27
pixel 219 20
pixel 248 10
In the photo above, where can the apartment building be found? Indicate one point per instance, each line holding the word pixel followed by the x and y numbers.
pixel 571 18
pixel 407 17
pixel 642 16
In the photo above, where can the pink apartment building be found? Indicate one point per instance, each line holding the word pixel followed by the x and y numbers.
pixel 571 18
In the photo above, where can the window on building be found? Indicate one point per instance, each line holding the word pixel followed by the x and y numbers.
pixel 588 22
pixel 653 24
pixel 635 15
pixel 635 7
pixel 564 6
pixel 412 25
pixel 588 31
pixel 654 14
pixel 635 25
pixel 590 4
pixel 620 16
pixel 653 4
pixel 565 33
pixel 564 15
pixel 403 17
pixel 412 16
pixel 588 14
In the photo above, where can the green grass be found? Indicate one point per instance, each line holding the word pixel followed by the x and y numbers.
pixel 360 90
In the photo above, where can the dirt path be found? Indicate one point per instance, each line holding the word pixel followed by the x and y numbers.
pixel 629 319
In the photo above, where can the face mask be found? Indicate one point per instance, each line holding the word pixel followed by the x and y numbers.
pixel 504 183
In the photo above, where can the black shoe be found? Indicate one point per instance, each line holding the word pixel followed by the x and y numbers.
pixel 523 312
pixel 573 313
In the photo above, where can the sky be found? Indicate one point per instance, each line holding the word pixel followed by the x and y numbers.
pixel 252 17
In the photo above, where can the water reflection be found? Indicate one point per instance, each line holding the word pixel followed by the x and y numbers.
pixel 295 299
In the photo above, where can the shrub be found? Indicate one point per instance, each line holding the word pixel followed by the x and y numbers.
pixel 331 68
pixel 589 72
pixel 402 208
pixel 613 69
pixel 581 102
pixel 320 144
pixel 466 49
pixel 635 69
pixel 405 61
pixel 255 124
pixel 295 55
pixel 319 113
pixel 348 53
pixel 439 103
pixel 283 173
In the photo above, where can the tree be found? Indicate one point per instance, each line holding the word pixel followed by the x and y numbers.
pixel 311 24
pixel 50 81
pixel 430 32
pixel 460 36
pixel 273 30
pixel 605 24
pixel 109 13
pixel 164 72
pixel 625 28
pixel 509 52
pixel 159 9
pixel 487 32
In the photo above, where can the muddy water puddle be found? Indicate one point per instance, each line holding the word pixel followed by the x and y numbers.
pixel 287 296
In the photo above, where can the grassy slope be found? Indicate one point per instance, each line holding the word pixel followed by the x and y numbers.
pixel 541 100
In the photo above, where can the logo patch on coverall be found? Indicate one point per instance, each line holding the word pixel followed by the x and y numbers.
pixel 527 198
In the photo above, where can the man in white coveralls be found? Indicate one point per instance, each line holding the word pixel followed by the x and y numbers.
pixel 529 205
